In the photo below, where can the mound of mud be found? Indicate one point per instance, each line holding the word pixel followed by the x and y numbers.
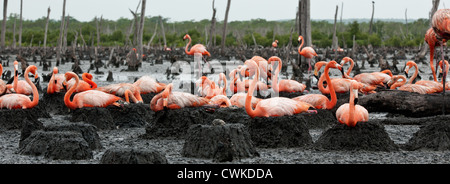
pixel 413 121
pixel 366 136
pixel 405 103
pixel 132 156
pixel 276 132
pixel 63 145
pixel 221 142
pixel 97 116
pixel 54 103
pixel 146 98
pixel 280 94
pixel 230 115
pixel 131 115
pixel 174 122
pixel 434 136
pixel 12 119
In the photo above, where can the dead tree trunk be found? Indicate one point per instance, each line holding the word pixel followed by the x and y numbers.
pixel 371 19
pixel 64 46
pixel 163 32
pixel 14 34
pixel 141 31
pixel 46 30
pixel 153 36
pixel 224 34
pixel 5 8
pixel 335 39
pixel 98 31
pixel 20 24
pixel 61 29
pixel 212 30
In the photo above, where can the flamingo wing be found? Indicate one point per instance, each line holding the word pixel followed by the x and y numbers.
pixel 14 101
pixel 94 98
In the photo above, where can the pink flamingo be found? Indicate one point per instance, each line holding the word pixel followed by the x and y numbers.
pixel 307 52
pixel 275 44
pixel 56 82
pixel 175 100
pixel 21 101
pixel 148 84
pixel 434 85
pixel 84 85
pixel 89 98
pixel 349 113
pixel 3 87
pixel 197 48
pixel 120 90
pixel 20 86
pixel 394 83
pixel 432 41
pixel 275 106
pixel 447 66
pixel 209 88
pixel 220 100
pixel 284 85
pixel 320 101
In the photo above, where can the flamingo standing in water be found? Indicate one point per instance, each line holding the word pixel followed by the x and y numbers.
pixel 320 101
pixel 441 26
pixel 89 98
pixel 3 87
pixel 21 101
pixel 433 85
pixel 307 52
pixel 432 41
pixel 284 85
pixel 197 48
pixel 84 85
pixel 56 82
pixel 175 100
pixel 275 106
pixel 148 84
pixel 349 113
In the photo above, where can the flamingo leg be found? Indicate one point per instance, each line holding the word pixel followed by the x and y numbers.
pixel 444 76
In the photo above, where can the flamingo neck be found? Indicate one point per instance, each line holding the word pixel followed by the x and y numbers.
pixel 129 94
pixel 352 64
pixel 332 103
pixel 71 104
pixel 224 80
pixel 248 100
pixel 416 72
pixel 153 103
pixel 351 116
pixel 398 84
pixel 89 81
pixel 320 84
pixel 35 91
pixel 187 46
pixel 300 48
pixel 387 72
pixel 433 70
pixel 51 85
pixel 16 80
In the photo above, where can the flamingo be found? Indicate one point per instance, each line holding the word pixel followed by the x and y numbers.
pixel 263 67
pixel 209 88
pixel 441 26
pixel 275 44
pixel 148 84
pixel 89 98
pixel 320 101
pixel 238 100
pixel 56 82
pixel 20 86
pixel 175 100
pixel 447 85
pixel 307 52
pixel 349 113
pixel 128 95
pixel 21 101
pixel 374 78
pixel 220 100
pixel 3 87
pixel 394 83
pixel 275 106
pixel 120 90
pixel 434 85
pixel 84 85
pixel 432 41
pixel 197 48
pixel 284 85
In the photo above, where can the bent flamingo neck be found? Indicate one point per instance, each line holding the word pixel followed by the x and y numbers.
pixel 330 103
pixel 71 104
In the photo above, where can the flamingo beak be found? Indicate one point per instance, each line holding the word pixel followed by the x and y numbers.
pixel 165 102
pixel 16 67
pixel 406 74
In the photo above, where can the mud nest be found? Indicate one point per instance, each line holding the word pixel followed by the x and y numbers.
pixel 132 156
pixel 54 103
pixel 12 119
pixel 366 136
pixel 146 98
pixel 221 142
pixel 57 145
pixel 131 115
pixel 434 136
pixel 276 132
pixel 97 116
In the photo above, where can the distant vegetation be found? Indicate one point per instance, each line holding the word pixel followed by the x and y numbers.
pixel 113 33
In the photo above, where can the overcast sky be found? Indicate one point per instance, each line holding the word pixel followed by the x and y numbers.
pixel 183 10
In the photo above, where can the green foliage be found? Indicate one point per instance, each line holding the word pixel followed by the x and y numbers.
pixel 114 33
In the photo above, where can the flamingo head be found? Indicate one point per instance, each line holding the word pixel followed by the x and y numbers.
pixel 345 60
pixel 68 76
pixel 186 37
pixel 249 68
pixel 317 67
pixel 134 50
pixel 165 94
pixel 33 70
pixel 300 38
pixel 409 65
pixel 16 65
pixel 55 70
